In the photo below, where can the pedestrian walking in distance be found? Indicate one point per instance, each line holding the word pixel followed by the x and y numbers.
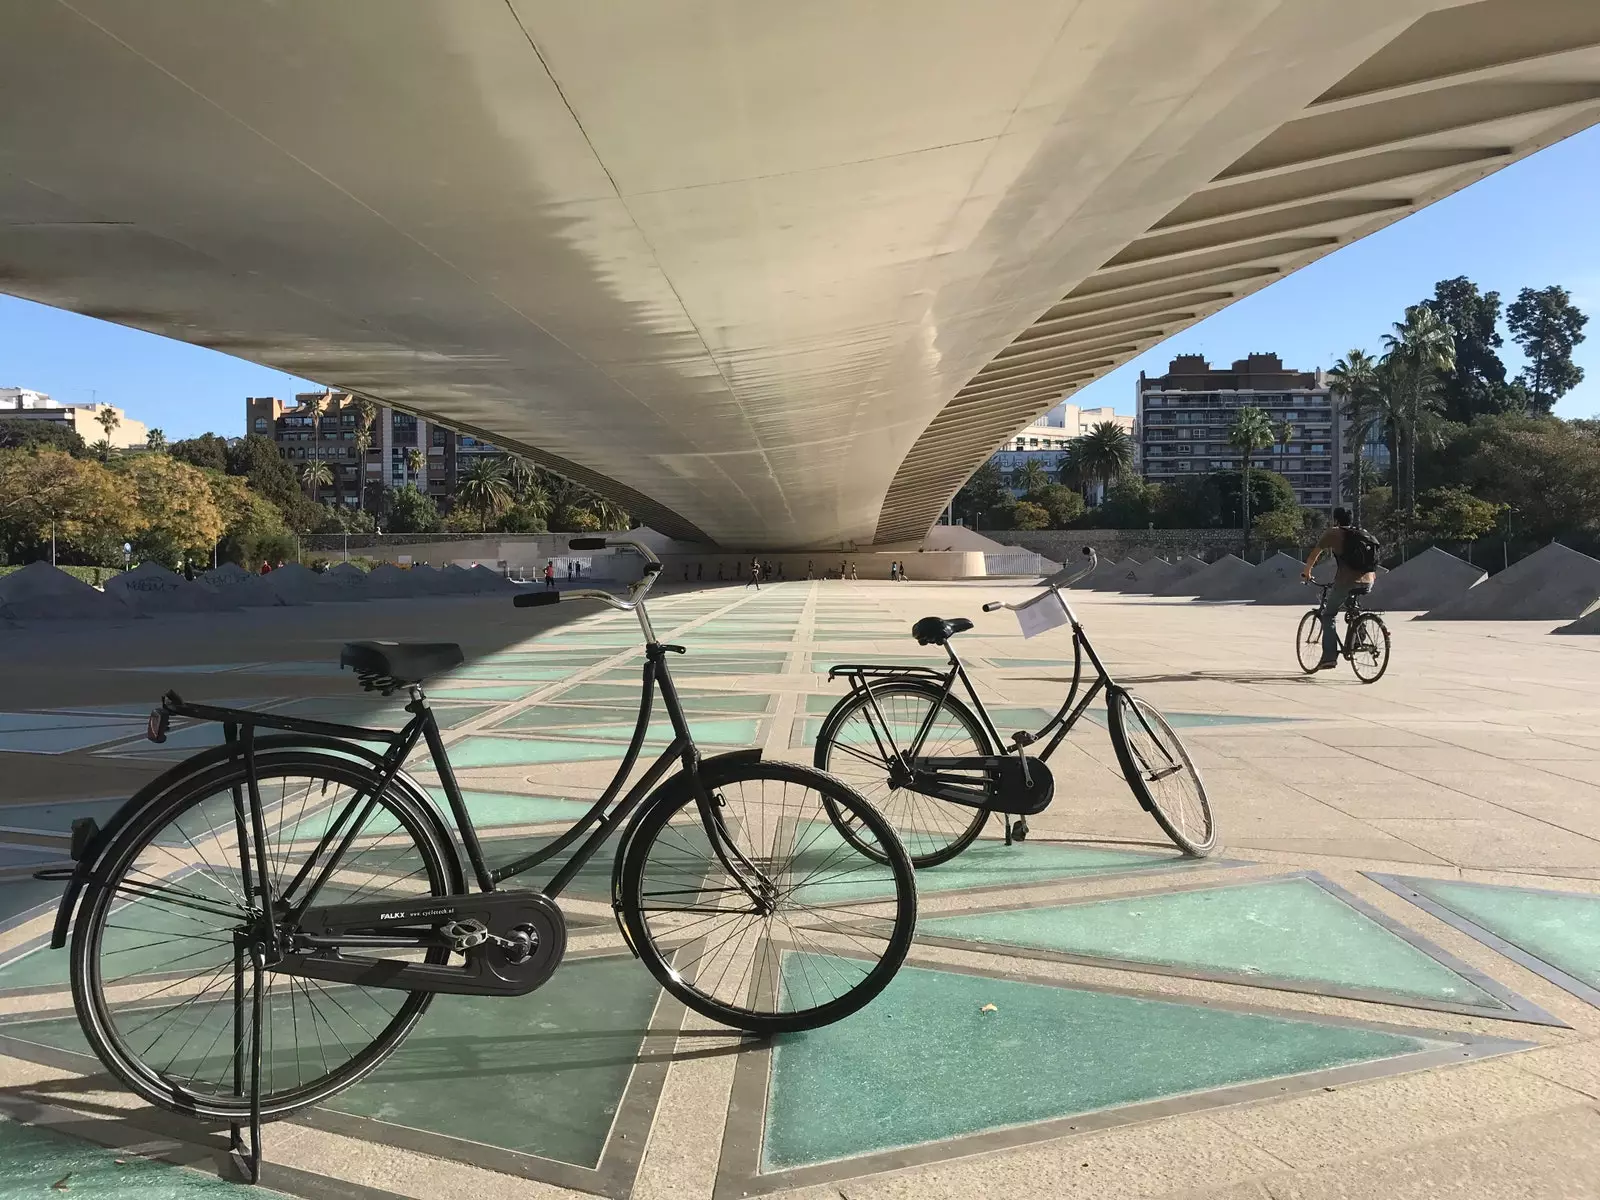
pixel 550 575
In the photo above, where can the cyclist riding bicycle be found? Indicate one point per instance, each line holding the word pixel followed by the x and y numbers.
pixel 1356 552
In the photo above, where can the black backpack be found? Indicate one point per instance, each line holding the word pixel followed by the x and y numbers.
pixel 1360 550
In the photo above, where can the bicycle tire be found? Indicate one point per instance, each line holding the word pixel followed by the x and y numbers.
pixel 108 894
pixel 665 859
pixel 1308 641
pixel 1362 639
pixel 932 831
pixel 1185 818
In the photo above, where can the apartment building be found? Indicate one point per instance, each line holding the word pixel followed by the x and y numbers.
pixel 1047 438
pixel 403 450
pixel 18 403
pixel 1186 414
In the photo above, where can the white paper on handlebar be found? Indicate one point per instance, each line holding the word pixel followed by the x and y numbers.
pixel 1041 614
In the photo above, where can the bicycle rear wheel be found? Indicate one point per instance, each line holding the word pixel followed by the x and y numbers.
pixel 829 923
pixel 854 745
pixel 1369 647
pixel 1163 778
pixel 1308 642
pixel 161 979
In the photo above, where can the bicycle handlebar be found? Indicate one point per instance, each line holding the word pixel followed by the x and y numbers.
pixel 1053 584
pixel 636 591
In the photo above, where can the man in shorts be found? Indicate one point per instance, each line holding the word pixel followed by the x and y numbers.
pixel 1356 553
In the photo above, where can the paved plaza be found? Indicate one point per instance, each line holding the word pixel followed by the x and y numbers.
pixel 1386 983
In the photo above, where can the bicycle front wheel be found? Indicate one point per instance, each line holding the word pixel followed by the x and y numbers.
pixel 1369 648
pixel 1308 642
pixel 760 914
pixel 161 979
pixel 1163 778
pixel 855 744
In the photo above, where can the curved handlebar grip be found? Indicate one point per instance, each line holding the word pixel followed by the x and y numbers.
pixel 586 543
pixel 535 599
pixel 992 605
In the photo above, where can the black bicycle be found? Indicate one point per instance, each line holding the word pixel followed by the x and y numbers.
pixel 938 768
pixel 1365 644
pixel 261 926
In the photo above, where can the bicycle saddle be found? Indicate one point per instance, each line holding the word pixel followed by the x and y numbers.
pixel 936 631
pixel 401 662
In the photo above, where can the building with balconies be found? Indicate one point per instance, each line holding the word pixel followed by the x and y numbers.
pixel 1185 417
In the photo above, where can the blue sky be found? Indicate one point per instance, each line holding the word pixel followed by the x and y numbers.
pixel 1529 225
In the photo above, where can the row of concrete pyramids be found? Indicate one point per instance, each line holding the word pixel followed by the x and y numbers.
pixel 41 591
pixel 1552 584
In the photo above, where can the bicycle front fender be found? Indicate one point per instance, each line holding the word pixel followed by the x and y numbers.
pixel 87 859
pixel 712 771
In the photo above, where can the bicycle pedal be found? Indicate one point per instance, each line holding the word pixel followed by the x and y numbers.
pixel 464 935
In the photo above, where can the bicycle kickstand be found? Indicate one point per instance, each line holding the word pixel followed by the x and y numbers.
pixel 248 1159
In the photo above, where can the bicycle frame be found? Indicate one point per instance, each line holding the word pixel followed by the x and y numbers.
pixel 1352 610
pixel 930 780
pixel 603 817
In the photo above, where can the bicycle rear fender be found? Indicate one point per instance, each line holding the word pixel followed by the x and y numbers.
pixel 712 771
pixel 90 842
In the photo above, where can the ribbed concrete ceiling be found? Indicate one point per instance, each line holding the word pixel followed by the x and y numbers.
pixel 770 273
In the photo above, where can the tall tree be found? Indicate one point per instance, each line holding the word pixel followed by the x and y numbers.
pixel 316 474
pixel 416 462
pixel 20 433
pixel 1101 456
pixel 979 496
pixel 1030 476
pixel 156 440
pixel 484 490
pixel 1251 431
pixel 1283 432
pixel 108 420
pixel 1476 383
pixel 1417 355
pixel 366 414
pixel 1355 381
pixel 1547 325
pixel 207 451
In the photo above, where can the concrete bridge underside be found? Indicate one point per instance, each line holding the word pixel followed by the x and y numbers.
pixel 773 275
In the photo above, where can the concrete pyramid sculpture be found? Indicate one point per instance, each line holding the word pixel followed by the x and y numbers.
pixel 343 581
pixel 42 592
pixel 239 587
pixel 1552 584
pixel 1588 624
pixel 1111 576
pixel 1278 581
pixel 151 588
pixel 1427 580
pixel 294 584
pixel 1229 578
pixel 1145 577
pixel 1184 568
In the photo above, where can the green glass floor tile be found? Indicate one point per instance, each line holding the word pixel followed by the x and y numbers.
pixel 1561 929
pixel 560 1060
pixel 722 732
pixel 18 896
pixel 37 1160
pixel 922 1063
pixel 514 671
pixel 1288 929
pixel 592 882
pixel 489 809
pixel 451 690
pixel 821 705
pixel 990 863
pixel 574 719
pixel 487 750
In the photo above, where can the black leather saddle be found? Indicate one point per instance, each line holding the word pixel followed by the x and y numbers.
pixel 936 631
pixel 400 662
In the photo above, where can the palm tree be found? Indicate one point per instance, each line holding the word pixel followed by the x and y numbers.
pixel 1355 379
pixel 611 514
pixel 1419 351
pixel 156 440
pixel 522 475
pixel 366 414
pixel 416 461
pixel 108 420
pixel 1283 432
pixel 314 475
pixel 1101 456
pixel 484 490
pixel 1252 431
pixel 1031 476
